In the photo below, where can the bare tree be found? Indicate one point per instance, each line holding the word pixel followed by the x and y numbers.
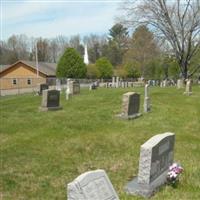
pixel 177 21
pixel 54 50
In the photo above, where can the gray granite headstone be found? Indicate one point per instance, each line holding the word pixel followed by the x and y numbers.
pixel 42 87
pixel 156 155
pixel 130 106
pixel 92 185
pixel 50 100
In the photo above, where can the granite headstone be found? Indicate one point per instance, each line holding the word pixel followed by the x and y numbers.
pixel 130 106
pixel 50 100
pixel 156 155
pixel 92 185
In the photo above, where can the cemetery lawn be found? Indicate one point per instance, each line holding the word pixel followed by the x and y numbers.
pixel 43 151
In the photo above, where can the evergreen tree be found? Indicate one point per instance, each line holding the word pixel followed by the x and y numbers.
pixel 71 65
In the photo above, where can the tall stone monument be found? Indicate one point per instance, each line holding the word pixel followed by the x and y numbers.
pixel 92 185
pixel 117 82
pixel 156 155
pixel 147 105
pixel 113 82
pixel 188 88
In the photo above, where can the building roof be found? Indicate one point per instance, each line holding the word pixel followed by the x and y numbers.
pixel 48 69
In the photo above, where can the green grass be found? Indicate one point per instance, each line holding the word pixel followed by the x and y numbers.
pixel 43 151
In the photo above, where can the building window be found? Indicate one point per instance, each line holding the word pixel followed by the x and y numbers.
pixel 29 81
pixel 14 81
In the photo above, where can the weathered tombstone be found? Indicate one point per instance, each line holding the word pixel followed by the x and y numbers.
pixel 156 155
pixel 92 185
pixel 50 100
pixel 180 83
pixel 42 87
pixel 74 87
pixel 130 106
pixel 147 105
pixel 188 88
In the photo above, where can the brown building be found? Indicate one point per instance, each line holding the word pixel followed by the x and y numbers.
pixel 24 75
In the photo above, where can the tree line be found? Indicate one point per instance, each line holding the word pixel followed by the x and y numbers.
pixel 164 42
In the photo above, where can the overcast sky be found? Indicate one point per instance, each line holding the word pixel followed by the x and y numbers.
pixel 47 18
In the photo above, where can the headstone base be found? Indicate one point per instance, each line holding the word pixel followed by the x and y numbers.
pixel 43 109
pixel 144 190
pixel 129 117
pixel 188 93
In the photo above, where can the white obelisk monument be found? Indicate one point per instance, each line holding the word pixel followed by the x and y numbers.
pixel 86 60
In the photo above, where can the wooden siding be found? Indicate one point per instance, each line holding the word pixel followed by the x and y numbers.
pixel 21 73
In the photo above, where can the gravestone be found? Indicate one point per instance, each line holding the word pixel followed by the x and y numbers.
pixel 113 81
pixel 50 100
pixel 68 94
pixel 147 105
pixel 165 83
pixel 180 83
pixel 74 87
pixel 117 82
pixel 188 88
pixel 130 106
pixel 92 185
pixel 156 155
pixel 93 86
pixel 42 87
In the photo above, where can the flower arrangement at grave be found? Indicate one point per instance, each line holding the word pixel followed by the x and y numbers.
pixel 173 174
